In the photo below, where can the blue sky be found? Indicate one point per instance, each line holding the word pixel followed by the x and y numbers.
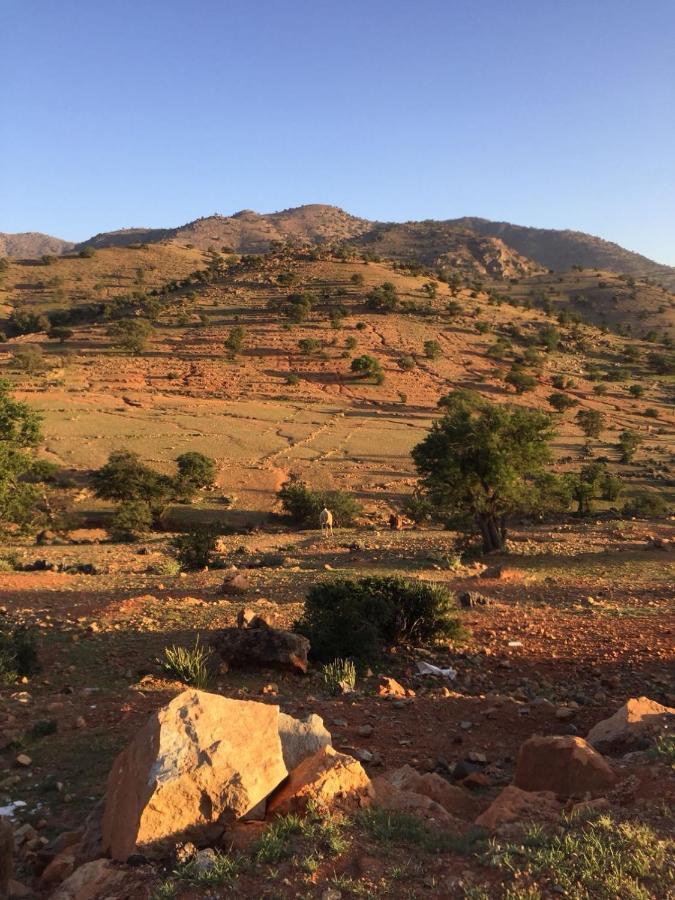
pixel 555 113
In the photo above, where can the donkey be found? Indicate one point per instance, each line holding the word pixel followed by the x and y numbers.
pixel 326 521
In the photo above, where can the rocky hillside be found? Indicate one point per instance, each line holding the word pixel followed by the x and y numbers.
pixel 474 245
pixel 29 244
pixel 446 246
pixel 560 250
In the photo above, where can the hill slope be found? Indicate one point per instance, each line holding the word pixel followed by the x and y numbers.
pixel 560 250
pixel 31 244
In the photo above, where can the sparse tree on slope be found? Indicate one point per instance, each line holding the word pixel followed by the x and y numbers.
pixel 482 462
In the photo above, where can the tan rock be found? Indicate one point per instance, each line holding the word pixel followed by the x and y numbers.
pixel 633 727
pixel 327 777
pixel 59 868
pixel 387 796
pixel 389 687
pixel 199 762
pixel 514 805
pixel 564 764
pixel 94 881
pixel 453 799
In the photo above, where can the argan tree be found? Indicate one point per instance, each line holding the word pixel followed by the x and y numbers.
pixel 591 422
pixel 19 435
pixel 481 462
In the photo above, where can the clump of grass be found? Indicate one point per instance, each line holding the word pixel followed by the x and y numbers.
pixel 389 826
pixel 339 676
pixel 278 841
pixel 599 859
pixel 189 665
pixel 664 749
pixel 224 870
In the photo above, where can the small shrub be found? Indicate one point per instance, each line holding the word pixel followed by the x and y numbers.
pixel 303 505
pixel 432 350
pixel 131 520
pixel 367 366
pixel 360 618
pixel 18 651
pixel 339 676
pixel 195 548
pixel 646 505
pixel 292 379
pixel 406 362
pixel 195 470
pixel 189 665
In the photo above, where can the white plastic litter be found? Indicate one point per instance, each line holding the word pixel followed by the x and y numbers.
pixel 425 668
pixel 515 643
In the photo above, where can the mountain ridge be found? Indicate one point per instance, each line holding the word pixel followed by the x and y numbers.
pixel 462 241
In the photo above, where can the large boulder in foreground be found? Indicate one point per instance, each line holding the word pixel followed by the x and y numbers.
pixel 328 778
pixel 261 648
pixel 514 805
pixel 301 738
pixel 200 761
pixel 564 764
pixel 633 727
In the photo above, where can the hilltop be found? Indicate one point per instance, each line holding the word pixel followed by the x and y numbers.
pixel 31 244
pixel 480 245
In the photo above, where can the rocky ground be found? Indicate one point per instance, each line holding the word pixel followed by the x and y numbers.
pixel 577 620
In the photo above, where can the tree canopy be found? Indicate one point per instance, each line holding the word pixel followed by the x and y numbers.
pixel 481 462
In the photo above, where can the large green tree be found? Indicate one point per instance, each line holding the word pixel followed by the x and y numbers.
pixel 19 435
pixel 482 462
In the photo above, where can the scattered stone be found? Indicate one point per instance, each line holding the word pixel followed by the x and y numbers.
pixel 566 765
pixel 301 738
pixel 364 730
pixel 632 727
pixel 328 778
pixel 236 584
pixel 389 687
pixel 99 878
pixel 453 799
pixel 516 805
pixel 189 770
pixel 391 798
pixel 564 713
pixel 471 599
pixel 23 760
pixel 261 648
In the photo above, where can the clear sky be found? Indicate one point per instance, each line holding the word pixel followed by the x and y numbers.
pixel 555 113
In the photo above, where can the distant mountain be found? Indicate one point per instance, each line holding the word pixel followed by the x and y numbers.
pixel 473 244
pixel 560 250
pixel 29 244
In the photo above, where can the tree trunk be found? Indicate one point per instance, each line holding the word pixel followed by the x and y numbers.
pixel 493 532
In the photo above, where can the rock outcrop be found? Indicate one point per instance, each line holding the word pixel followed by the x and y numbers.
pixel 199 762
pixel 454 800
pixel 633 727
pixel 301 738
pixel 566 765
pixel 515 805
pixel 329 778
pixel 261 648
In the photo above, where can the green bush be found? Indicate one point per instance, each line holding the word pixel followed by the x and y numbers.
pixel 195 548
pixel 303 505
pixel 339 676
pixel 18 651
pixel 361 618
pixel 646 505
pixel 131 520
pixel 196 470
